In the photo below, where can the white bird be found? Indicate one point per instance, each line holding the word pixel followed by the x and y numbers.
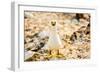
pixel 54 41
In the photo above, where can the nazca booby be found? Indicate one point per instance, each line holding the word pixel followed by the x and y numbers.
pixel 54 41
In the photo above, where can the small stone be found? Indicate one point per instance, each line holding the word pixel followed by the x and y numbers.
pixel 28 54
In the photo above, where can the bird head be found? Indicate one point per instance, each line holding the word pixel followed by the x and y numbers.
pixel 53 23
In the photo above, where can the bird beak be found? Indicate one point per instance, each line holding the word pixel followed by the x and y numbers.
pixel 53 23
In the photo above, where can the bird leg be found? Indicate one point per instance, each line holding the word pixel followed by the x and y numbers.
pixel 54 53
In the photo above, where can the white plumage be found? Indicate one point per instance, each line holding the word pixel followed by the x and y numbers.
pixel 54 41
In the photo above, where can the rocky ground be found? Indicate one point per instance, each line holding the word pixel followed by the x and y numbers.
pixel 73 29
